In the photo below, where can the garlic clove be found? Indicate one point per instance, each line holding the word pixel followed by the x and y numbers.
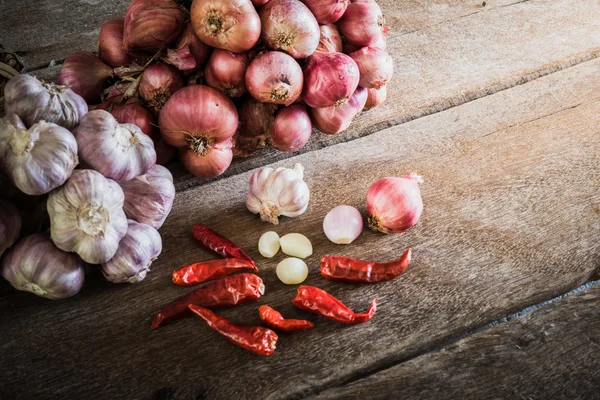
pixel 343 224
pixel 292 271
pixel 268 244
pixel 296 245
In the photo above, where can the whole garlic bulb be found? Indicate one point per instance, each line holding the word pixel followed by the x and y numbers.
pixel 34 101
pixel 275 192
pixel 138 249
pixel 38 159
pixel 35 265
pixel 149 198
pixel 87 217
pixel 118 151
pixel 10 225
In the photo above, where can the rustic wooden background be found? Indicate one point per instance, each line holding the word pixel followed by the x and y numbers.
pixel 496 106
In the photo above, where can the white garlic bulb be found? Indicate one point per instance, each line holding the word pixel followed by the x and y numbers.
pixel 137 250
pixel 35 265
pixel 87 217
pixel 149 198
pixel 38 159
pixel 35 101
pixel 275 192
pixel 118 151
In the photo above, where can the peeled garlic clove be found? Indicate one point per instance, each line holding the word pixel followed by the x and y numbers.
pixel 35 265
pixel 137 250
pixel 38 159
pixel 278 192
pixel 268 244
pixel 149 198
pixel 10 225
pixel 34 101
pixel 87 217
pixel 292 271
pixel 118 151
pixel 343 224
pixel 296 245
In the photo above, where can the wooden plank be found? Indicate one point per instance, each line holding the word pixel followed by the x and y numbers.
pixel 455 52
pixel 552 352
pixel 511 219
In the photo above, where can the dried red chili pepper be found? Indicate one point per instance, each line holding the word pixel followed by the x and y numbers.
pixel 228 291
pixel 208 270
pixel 320 302
pixel 256 339
pixel 219 244
pixel 273 319
pixel 351 270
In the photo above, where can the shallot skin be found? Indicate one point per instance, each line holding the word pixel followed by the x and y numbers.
pixel 275 77
pixel 375 97
pixel 292 128
pixel 331 40
pixel 226 72
pixel 375 65
pixel 329 79
pixel 158 83
pixel 190 53
pixel 85 74
pixel 327 11
pixel 110 43
pixel 362 24
pixel 336 119
pixel 394 204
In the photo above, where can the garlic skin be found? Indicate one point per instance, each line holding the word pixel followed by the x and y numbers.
pixel 275 192
pixel 118 151
pixel 10 225
pixel 34 101
pixel 35 265
pixel 149 198
pixel 87 217
pixel 38 159
pixel 137 250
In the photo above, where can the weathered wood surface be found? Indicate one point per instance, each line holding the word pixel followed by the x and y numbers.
pixel 512 215
pixel 550 353
pixel 444 55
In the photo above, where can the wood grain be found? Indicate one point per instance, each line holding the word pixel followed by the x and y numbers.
pixel 552 352
pixel 454 52
pixel 511 219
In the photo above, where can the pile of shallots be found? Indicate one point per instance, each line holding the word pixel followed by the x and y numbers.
pixel 238 76
pixel 106 212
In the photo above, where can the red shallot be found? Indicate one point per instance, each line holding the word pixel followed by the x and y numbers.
pixel 331 40
pixel 292 128
pixel 158 83
pixel 110 43
pixel 327 11
pixel 200 121
pixel 336 119
pixel 85 74
pixel 275 77
pixel 189 52
pixel 394 204
pixel 375 97
pixel 362 24
pixel 226 72
pixel 375 65
pixel 329 79
pixel 151 25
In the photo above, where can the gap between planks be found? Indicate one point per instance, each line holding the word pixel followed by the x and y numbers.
pixel 446 343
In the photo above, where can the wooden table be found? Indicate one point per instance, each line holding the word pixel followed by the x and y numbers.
pixel 496 106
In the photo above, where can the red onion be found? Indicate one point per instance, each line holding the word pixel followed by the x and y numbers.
pixel 332 120
pixel 110 43
pixel 190 52
pixel 362 24
pixel 327 11
pixel 292 128
pixel 85 74
pixel 231 25
pixel 256 118
pixel 375 97
pixel 289 25
pixel 200 121
pixel 330 79
pixel 158 83
pixel 331 40
pixel 226 72
pixel 151 24
pixel 375 65
pixel 274 77
pixel 394 204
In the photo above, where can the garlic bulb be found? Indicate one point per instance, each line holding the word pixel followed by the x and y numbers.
pixel 10 225
pixel 275 192
pixel 34 101
pixel 37 159
pixel 118 151
pixel 87 217
pixel 149 198
pixel 137 250
pixel 35 265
